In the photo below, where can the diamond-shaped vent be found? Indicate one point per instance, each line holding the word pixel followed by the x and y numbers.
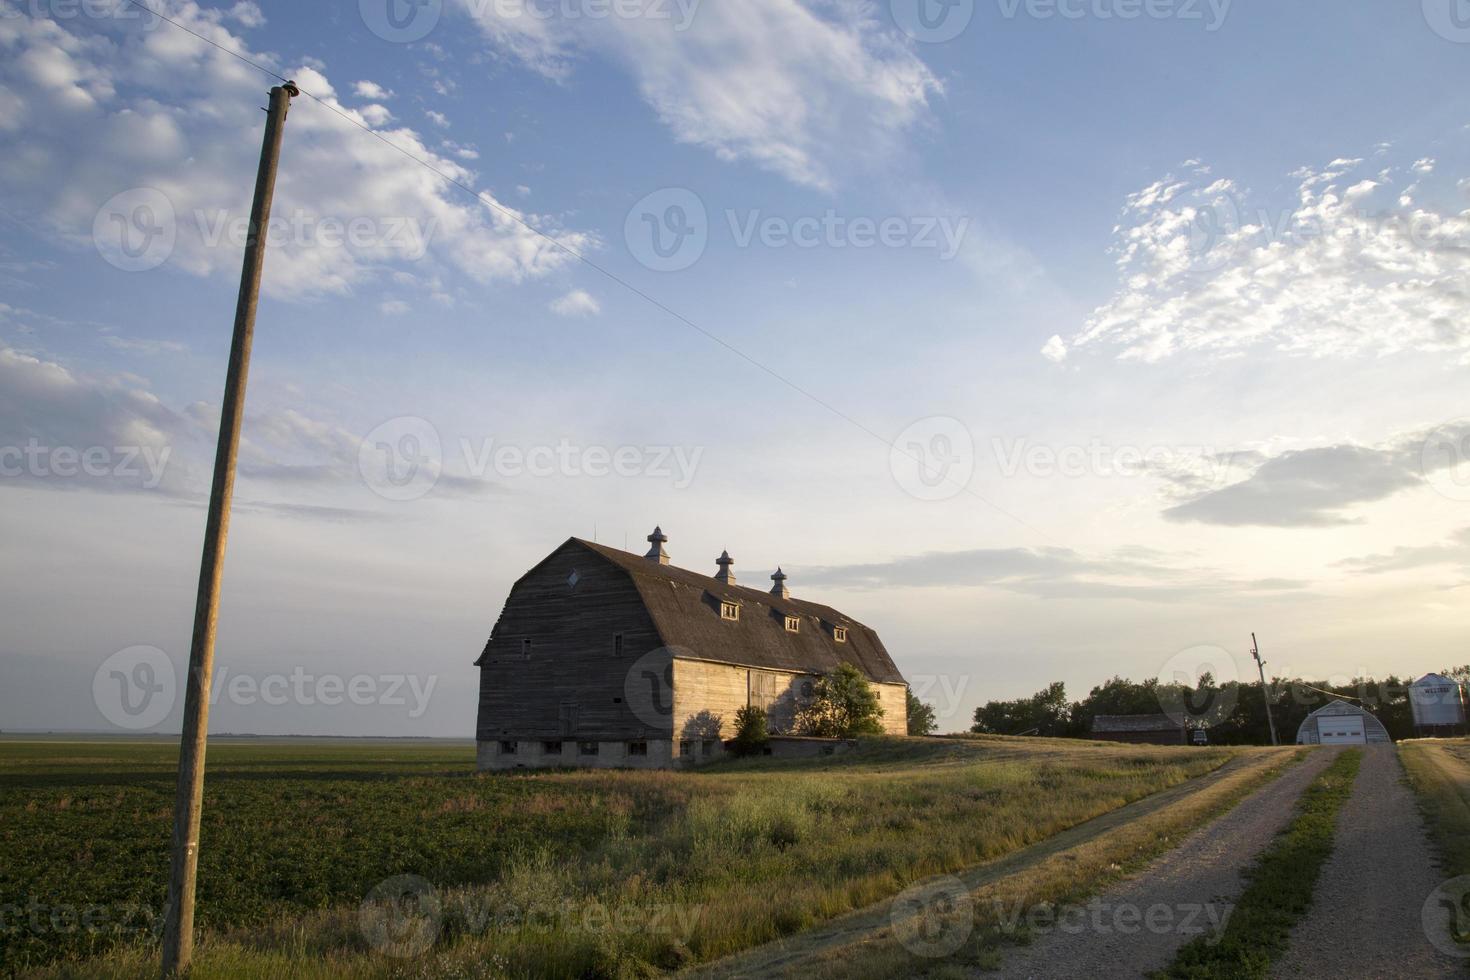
pixel 572 579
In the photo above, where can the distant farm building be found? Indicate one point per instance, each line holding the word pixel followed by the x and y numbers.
pixel 606 658
pixel 1157 729
pixel 1438 703
pixel 1341 723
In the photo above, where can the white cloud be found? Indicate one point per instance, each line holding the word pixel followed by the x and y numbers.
pixel 840 89
pixel 1055 349
pixel 1316 486
pixel 437 118
pixel 371 90
pixel 53 421
pixel 376 115
pixel 1349 267
pixel 393 307
pixel 197 146
pixel 578 302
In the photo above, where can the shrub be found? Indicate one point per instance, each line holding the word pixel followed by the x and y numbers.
pixel 920 716
pixel 843 705
pixel 751 734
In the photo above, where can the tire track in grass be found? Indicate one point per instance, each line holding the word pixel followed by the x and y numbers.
pixel 1279 889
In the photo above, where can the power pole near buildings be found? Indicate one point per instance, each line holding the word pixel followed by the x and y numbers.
pixel 178 932
pixel 1265 693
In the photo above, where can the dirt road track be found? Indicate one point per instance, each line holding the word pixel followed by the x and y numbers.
pixel 1365 917
pixel 1190 887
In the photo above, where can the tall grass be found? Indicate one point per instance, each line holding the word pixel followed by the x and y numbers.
pixel 551 873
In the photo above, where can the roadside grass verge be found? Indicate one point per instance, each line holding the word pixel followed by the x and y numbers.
pixel 1439 774
pixel 570 873
pixel 1067 876
pixel 1279 886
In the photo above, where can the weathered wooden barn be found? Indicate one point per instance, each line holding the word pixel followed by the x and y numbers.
pixel 602 657
pixel 1156 729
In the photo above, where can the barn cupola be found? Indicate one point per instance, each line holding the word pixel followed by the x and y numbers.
pixel 657 552
pixel 780 589
pixel 724 574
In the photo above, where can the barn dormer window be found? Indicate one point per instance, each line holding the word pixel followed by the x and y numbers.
pixel 793 624
pixel 839 633
pixel 730 611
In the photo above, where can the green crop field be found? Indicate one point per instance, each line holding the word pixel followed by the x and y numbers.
pixel 560 873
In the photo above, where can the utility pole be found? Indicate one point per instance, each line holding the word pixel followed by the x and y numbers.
pixel 178 932
pixel 1265 693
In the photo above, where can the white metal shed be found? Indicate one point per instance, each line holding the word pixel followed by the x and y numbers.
pixel 1341 723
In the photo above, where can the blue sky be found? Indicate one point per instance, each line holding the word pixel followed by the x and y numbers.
pixel 1211 260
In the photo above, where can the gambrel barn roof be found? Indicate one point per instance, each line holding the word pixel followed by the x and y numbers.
pixel 685 608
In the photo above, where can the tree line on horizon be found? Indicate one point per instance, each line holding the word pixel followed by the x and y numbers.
pixel 1233 713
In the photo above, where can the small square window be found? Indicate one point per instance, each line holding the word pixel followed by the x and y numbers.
pixel 686 747
pixel 508 748
pixel 586 748
pixel 793 624
pixel 526 648
pixel 617 644
pixel 637 748
pixel 839 633
pixel 729 610
pixel 551 748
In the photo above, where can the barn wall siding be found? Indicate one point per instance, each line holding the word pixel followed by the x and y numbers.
pixel 572 660
pixel 895 703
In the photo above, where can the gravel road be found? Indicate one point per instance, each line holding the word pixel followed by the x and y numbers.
pixel 1137 926
pixel 1365 916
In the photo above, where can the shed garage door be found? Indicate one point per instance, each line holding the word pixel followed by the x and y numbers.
pixel 1341 729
